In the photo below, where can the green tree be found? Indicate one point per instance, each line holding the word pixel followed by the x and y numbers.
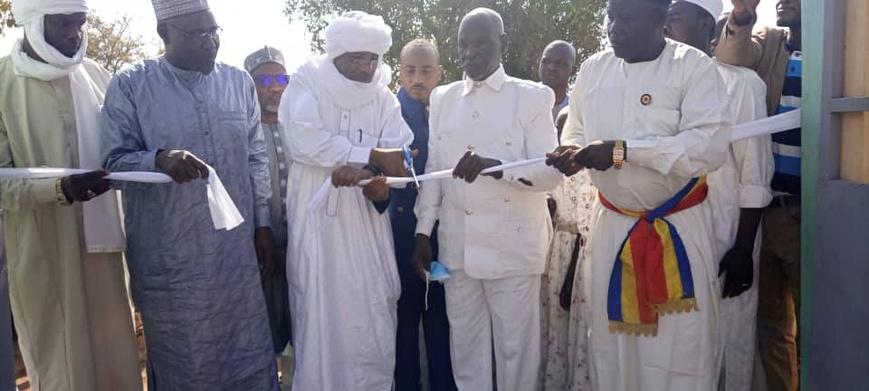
pixel 111 44
pixel 530 26
pixel 6 20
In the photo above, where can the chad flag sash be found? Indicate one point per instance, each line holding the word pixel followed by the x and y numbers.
pixel 651 275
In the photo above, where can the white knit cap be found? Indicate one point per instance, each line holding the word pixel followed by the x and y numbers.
pixel 26 10
pixel 357 31
pixel 167 9
pixel 713 7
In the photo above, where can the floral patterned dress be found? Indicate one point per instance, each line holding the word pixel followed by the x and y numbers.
pixel 564 333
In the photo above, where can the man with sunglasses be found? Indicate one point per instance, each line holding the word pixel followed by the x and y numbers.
pixel 197 288
pixel 266 66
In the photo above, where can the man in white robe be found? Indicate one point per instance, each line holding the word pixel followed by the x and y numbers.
pixel 63 236
pixel 343 281
pixel 738 192
pixel 494 228
pixel 651 119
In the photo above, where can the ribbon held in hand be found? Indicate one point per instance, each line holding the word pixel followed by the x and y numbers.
pixel 322 192
pixel 224 213
pixel 761 127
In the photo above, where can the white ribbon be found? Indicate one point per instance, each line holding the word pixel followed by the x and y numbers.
pixel 323 192
pixel 761 127
pixel 224 213
pixel 767 126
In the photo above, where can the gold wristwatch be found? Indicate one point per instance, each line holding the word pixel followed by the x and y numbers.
pixel 61 197
pixel 619 154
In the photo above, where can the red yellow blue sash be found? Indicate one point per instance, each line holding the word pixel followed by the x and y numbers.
pixel 651 275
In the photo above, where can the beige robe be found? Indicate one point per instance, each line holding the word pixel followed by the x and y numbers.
pixel 70 307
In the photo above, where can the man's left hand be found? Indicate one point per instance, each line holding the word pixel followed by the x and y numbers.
pixel 264 247
pixel 471 165
pixel 597 155
pixel 738 269
pixel 349 176
pixel 377 190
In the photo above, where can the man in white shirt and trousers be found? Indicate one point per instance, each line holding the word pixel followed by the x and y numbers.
pixel 494 228
pixel 650 120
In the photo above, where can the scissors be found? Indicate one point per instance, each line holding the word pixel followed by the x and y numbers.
pixel 409 160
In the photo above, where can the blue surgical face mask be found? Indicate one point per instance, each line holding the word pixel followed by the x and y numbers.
pixel 439 272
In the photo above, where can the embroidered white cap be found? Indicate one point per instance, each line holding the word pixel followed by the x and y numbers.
pixel 167 9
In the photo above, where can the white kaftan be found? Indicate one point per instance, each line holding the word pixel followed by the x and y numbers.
pixel 343 281
pixel 742 182
pixel 680 130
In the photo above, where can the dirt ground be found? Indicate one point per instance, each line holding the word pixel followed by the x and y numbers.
pixel 23 384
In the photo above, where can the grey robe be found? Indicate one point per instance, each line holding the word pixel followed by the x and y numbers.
pixel 197 288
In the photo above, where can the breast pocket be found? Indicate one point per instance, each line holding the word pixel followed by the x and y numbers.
pixel 447 146
pixel 658 109
pixel 234 125
pixel 364 136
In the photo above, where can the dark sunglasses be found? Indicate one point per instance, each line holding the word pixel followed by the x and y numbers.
pixel 269 80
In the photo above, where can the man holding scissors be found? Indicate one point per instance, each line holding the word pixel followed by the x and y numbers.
pixel 420 74
pixel 344 286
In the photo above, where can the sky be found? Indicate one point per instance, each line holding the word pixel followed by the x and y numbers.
pixel 248 25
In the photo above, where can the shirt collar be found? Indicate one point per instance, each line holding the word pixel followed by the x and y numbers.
pixel 495 81
pixel 409 107
pixel 185 75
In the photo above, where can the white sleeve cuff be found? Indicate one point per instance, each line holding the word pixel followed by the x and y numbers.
pixel 753 196
pixel 45 190
pixel 425 226
pixel 359 155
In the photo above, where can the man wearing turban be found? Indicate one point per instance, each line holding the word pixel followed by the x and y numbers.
pixel 64 235
pixel 344 285
pixel 197 287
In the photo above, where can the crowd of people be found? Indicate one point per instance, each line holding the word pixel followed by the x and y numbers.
pixel 648 251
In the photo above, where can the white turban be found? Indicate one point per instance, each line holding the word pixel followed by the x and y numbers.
pixel 25 11
pixel 713 7
pixel 31 15
pixel 356 31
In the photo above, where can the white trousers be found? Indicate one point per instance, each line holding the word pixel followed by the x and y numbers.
pixel 504 312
